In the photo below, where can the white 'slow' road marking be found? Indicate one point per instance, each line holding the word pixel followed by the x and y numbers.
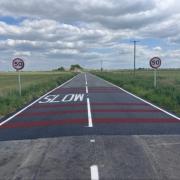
pixel 94 172
pixel 90 123
pixel 19 112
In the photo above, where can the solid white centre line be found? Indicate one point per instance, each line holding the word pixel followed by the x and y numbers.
pixel 85 78
pixel 94 172
pixel 90 123
pixel 87 90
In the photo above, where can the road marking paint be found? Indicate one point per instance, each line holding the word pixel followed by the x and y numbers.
pixel 49 99
pixel 166 112
pixel 126 110
pixel 60 122
pixel 92 140
pixel 118 104
pixel 57 105
pixel 90 123
pixel 105 92
pixel 31 124
pixel 82 104
pixel 71 88
pixel 94 172
pixel 73 97
pixel 66 98
pixel 87 90
pixel 136 120
pixel 30 114
pixel 85 78
pixel 11 117
pixel 69 91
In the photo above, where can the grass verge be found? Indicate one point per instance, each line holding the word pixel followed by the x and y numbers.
pixel 34 84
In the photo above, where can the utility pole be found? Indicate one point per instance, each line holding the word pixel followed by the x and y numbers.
pixel 135 42
pixel 101 65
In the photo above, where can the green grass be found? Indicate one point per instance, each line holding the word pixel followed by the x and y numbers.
pixel 34 84
pixel 166 95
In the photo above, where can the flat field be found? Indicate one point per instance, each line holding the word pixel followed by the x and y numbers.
pixel 166 95
pixel 34 84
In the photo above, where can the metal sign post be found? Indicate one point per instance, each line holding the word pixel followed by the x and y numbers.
pixel 155 78
pixel 18 64
pixel 19 79
pixel 155 63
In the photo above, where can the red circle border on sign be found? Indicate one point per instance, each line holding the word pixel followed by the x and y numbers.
pixel 153 66
pixel 16 67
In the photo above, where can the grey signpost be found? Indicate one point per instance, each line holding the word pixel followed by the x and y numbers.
pixel 155 63
pixel 18 64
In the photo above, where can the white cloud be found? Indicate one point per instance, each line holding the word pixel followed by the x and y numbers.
pixel 22 54
pixel 157 48
pixel 86 32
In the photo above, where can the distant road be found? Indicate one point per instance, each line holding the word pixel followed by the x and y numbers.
pixel 88 129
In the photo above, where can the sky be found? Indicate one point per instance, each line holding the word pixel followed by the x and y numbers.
pixel 48 34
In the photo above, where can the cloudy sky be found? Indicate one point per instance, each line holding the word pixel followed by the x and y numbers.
pixel 52 33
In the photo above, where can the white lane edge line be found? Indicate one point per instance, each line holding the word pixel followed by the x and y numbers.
pixel 94 172
pixel 90 123
pixel 166 112
pixel 11 117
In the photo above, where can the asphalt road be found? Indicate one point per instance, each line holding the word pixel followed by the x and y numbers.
pixel 90 129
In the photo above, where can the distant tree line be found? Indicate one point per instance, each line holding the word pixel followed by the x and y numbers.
pixel 74 67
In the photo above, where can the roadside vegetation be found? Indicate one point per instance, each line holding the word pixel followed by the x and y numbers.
pixel 34 84
pixel 166 95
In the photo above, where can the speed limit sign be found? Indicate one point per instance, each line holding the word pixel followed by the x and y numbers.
pixel 18 64
pixel 155 62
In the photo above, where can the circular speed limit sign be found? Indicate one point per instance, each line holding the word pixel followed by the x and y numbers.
pixel 18 64
pixel 155 62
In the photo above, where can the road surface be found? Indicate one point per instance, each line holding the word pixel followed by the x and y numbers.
pixel 90 129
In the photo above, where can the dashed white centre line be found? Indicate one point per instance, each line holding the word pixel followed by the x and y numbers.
pixel 92 141
pixel 93 168
pixel 94 172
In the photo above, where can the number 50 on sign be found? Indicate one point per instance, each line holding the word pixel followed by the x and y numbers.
pixel 18 64
pixel 155 62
